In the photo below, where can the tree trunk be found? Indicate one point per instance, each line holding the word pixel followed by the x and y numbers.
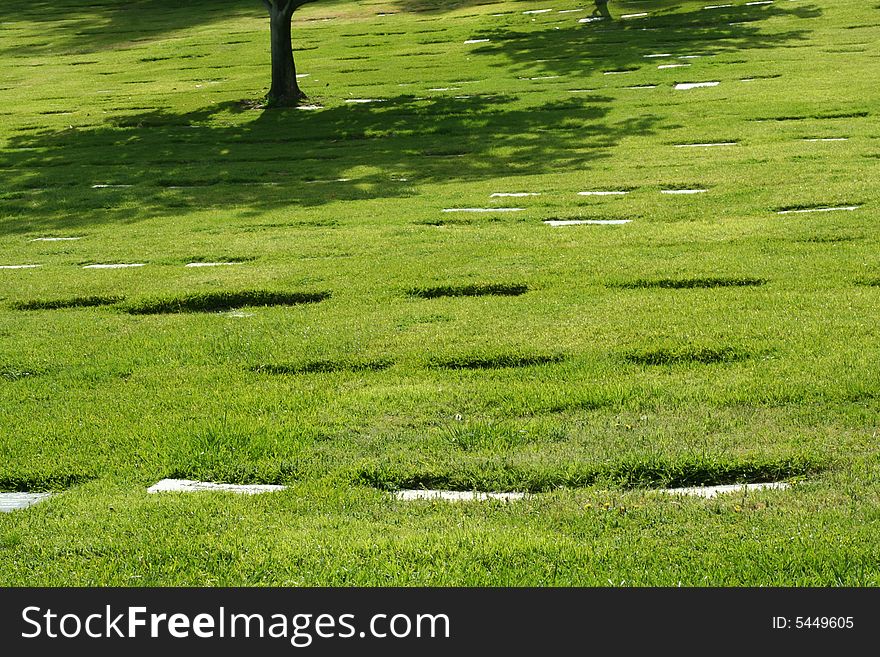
pixel 284 90
pixel 602 9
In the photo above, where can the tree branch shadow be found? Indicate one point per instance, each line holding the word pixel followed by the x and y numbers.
pixel 620 44
pixel 143 164
pixel 158 163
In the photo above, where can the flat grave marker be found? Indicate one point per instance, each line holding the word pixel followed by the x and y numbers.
pixel 116 265
pixel 695 85
pixel 455 495
pixel 587 222
pixel 211 264
pixel 709 492
pixel 10 502
pixel 707 145
pixel 190 486
pixel 483 209
pixel 846 208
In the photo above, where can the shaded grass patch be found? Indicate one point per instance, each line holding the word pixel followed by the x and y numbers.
pixel 15 373
pixel 40 483
pixel 691 283
pixel 492 475
pixel 323 366
pixel 491 362
pixel 204 302
pixel 686 354
pixel 470 290
pixel 72 302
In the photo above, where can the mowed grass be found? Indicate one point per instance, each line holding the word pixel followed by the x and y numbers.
pixel 362 330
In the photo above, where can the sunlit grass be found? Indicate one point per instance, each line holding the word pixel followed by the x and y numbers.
pixel 366 341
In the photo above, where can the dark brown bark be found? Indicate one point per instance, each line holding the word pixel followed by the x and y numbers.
pixel 602 9
pixel 284 89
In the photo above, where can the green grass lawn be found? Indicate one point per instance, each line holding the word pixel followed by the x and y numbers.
pixel 361 338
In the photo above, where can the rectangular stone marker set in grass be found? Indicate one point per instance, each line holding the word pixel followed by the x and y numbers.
pixel 118 265
pixel 210 264
pixel 513 194
pixel 190 486
pixel 683 191
pixel 13 501
pixel 483 209
pixel 455 495
pixel 846 208
pixel 55 239
pixel 604 193
pixel 695 85
pixel 707 145
pixel 713 491
pixel 19 266
pixel 587 222
pixel 469 41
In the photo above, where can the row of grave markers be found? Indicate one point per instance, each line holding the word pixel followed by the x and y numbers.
pixel 126 265
pixel 14 501
pixel 549 222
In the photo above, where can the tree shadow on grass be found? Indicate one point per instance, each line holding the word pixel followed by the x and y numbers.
pixel 157 163
pixel 624 44
pixel 160 163
pixel 80 26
